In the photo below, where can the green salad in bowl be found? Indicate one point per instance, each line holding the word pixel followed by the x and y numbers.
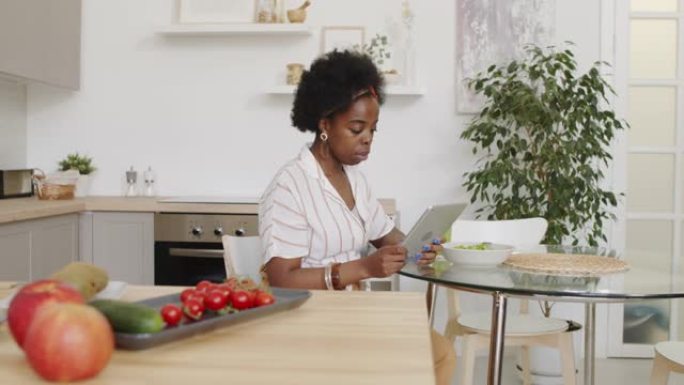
pixel 476 246
pixel 476 253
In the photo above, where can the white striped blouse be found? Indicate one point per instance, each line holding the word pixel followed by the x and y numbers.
pixel 301 215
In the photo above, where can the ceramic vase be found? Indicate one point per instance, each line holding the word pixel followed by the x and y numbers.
pixel 82 185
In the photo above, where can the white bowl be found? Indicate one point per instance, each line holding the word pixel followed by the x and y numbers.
pixel 493 254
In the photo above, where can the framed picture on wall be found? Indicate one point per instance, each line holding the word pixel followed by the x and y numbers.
pixel 496 32
pixel 342 38
pixel 215 11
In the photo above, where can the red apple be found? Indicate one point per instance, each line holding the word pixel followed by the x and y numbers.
pixel 68 342
pixel 33 296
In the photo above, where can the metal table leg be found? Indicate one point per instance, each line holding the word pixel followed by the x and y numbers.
pixel 496 342
pixel 589 322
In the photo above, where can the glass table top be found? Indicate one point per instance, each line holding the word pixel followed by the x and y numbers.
pixel 640 281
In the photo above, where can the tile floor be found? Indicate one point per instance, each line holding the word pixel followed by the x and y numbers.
pixel 609 371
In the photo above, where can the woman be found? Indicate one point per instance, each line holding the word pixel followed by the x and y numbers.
pixel 318 215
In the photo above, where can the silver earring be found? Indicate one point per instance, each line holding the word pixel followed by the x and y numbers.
pixel 324 136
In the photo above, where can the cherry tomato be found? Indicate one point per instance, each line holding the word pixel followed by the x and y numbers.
pixel 215 300
pixel 171 314
pixel 231 283
pixel 263 299
pixel 204 285
pixel 197 295
pixel 193 309
pixel 187 293
pixel 224 288
pixel 240 300
pixel 225 293
pixel 252 296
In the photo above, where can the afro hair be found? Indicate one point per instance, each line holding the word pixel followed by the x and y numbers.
pixel 331 84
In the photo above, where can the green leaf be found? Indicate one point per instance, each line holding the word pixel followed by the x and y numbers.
pixel 544 130
pixel 512 67
pixel 75 161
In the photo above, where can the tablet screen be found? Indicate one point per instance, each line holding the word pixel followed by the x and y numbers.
pixel 431 225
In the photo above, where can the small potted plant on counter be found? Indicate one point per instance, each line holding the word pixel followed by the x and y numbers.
pixel 84 165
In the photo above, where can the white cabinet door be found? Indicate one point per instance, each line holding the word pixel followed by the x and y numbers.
pixel 41 40
pixel 54 243
pixel 15 253
pixel 122 244
pixel 31 250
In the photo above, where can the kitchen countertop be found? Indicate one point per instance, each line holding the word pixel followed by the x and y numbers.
pixel 12 210
pixel 333 338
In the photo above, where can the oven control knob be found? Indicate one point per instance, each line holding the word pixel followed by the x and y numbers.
pixel 240 232
pixel 218 231
pixel 196 231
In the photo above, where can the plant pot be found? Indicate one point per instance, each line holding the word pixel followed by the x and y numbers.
pixel 545 366
pixel 82 185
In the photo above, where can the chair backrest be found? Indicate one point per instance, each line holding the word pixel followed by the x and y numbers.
pixel 515 232
pixel 242 255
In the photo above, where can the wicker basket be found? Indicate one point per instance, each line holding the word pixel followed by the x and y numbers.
pixel 51 191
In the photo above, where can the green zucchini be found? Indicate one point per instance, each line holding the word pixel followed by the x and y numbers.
pixel 127 317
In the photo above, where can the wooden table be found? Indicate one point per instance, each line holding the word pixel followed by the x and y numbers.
pixel 334 338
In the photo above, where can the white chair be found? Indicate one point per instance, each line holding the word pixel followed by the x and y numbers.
pixel 669 357
pixel 242 256
pixel 522 330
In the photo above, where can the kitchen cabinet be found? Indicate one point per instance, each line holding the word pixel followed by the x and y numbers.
pixel 41 41
pixel 33 249
pixel 122 243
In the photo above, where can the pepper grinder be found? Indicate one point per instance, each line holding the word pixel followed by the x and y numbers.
pixel 149 182
pixel 131 180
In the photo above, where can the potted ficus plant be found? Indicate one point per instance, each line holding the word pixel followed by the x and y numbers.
pixel 542 137
pixel 84 165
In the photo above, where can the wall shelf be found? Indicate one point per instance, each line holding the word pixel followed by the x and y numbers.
pixel 234 29
pixel 404 90
pixel 389 90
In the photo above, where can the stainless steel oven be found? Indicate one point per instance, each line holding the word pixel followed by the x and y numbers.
pixel 188 248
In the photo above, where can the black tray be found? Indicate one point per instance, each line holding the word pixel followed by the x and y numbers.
pixel 285 299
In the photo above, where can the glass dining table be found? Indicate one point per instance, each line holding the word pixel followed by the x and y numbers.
pixel 640 282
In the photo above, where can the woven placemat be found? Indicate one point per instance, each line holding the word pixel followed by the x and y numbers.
pixel 566 264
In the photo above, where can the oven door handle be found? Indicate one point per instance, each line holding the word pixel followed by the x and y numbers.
pixel 198 253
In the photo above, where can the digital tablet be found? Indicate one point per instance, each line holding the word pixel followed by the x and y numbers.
pixel 431 225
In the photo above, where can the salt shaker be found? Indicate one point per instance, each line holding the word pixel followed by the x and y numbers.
pixel 149 182
pixel 131 181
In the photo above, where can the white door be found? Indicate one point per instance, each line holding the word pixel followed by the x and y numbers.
pixel 650 85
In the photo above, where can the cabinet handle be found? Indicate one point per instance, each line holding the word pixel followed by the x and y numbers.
pixel 198 253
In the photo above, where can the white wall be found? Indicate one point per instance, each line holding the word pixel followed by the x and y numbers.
pixel 12 125
pixel 195 108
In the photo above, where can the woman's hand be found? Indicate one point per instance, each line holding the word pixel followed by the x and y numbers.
pixel 429 252
pixel 386 261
